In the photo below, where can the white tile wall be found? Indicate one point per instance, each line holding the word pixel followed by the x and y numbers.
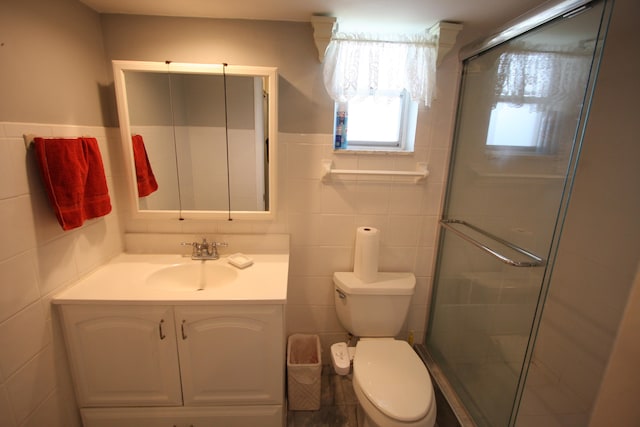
pixel 322 219
pixel 37 259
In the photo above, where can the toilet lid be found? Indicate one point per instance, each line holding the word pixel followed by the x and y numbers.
pixel 393 378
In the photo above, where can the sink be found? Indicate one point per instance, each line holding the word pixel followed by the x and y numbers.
pixel 191 277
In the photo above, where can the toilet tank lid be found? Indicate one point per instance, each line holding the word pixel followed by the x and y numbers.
pixel 386 283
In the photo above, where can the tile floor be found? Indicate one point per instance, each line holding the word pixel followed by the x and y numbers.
pixel 338 404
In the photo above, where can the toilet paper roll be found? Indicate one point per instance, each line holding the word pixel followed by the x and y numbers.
pixel 365 263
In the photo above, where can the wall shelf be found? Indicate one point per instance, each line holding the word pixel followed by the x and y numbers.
pixel 419 174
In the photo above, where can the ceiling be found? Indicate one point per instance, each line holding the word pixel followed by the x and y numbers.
pixel 478 16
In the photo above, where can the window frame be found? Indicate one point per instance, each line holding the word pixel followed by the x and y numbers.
pixel 406 131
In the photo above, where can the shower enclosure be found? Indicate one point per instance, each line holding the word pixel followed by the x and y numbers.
pixel 523 104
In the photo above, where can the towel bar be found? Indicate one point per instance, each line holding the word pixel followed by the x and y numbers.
pixel 537 261
pixel 328 170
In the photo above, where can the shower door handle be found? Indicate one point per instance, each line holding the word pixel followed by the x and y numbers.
pixel 536 260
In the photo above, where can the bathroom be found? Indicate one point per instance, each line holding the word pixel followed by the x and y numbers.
pixel 55 79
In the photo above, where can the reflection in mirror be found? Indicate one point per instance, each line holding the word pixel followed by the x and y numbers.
pixel 209 138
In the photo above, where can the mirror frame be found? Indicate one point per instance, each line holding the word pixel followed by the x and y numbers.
pixel 271 75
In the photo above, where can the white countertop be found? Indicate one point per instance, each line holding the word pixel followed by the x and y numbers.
pixel 124 281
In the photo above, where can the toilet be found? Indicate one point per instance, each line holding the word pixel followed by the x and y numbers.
pixel 390 381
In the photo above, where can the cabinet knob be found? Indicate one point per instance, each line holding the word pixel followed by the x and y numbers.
pixel 184 335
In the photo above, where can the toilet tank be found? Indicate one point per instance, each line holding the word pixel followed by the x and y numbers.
pixel 375 309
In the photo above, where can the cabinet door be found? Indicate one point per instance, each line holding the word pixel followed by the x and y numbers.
pixel 123 355
pixel 231 354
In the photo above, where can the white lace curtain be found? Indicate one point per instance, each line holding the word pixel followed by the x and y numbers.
pixel 549 76
pixel 361 63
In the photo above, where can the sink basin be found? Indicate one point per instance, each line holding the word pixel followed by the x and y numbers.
pixel 191 277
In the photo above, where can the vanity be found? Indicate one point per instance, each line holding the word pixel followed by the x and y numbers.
pixel 164 340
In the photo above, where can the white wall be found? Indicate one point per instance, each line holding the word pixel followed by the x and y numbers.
pixel 52 77
pixel 37 259
pixel 321 218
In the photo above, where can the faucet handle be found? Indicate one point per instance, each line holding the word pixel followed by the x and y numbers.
pixel 196 247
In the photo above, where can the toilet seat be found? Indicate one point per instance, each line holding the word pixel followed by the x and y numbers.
pixel 393 378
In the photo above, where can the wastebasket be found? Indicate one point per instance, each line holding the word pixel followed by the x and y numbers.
pixel 304 370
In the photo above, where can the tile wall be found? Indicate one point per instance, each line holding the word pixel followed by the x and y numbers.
pixel 322 219
pixel 37 258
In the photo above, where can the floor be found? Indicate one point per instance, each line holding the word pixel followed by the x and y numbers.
pixel 338 404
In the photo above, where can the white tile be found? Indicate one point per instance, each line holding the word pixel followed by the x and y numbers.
pixel 396 258
pixel 304 161
pixel 432 199
pixel 429 231
pixel 53 412
pixel 56 264
pixel 94 245
pixel 304 195
pixel 422 291
pixel 13 164
pixel 47 226
pixel 312 319
pixel 310 290
pixel 6 413
pixel 372 197
pixel 16 226
pixel 31 385
pixel 319 261
pixel 402 231
pixel 18 284
pixel 67 131
pixel 337 230
pixel 21 337
pixel 339 197
pixel 416 318
pixel 19 129
pixel 406 199
pixel 304 229
pixel 438 164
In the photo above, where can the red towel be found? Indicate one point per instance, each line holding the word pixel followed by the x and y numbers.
pixel 144 175
pixel 73 175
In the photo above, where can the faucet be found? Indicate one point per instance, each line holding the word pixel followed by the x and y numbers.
pixel 205 250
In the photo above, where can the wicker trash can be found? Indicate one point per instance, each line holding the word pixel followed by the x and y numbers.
pixel 304 372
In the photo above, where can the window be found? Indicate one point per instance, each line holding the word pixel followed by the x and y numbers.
pixel 529 127
pixel 514 125
pixel 376 82
pixel 385 121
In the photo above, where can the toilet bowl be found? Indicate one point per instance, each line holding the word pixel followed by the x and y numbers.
pixel 392 385
pixel 391 382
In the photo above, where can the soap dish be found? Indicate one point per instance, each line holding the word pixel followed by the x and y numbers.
pixel 239 260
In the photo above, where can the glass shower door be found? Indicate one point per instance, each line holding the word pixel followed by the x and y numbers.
pixel 517 139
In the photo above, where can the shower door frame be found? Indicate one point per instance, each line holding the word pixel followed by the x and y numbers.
pixel 525 23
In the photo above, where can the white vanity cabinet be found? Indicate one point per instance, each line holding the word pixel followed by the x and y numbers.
pixel 231 354
pixel 122 355
pixel 196 365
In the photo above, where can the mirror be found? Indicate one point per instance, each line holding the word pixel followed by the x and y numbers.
pixel 200 141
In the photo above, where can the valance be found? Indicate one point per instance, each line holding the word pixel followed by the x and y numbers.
pixel 549 76
pixel 364 64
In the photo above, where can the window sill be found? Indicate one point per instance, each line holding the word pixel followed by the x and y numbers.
pixel 381 151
